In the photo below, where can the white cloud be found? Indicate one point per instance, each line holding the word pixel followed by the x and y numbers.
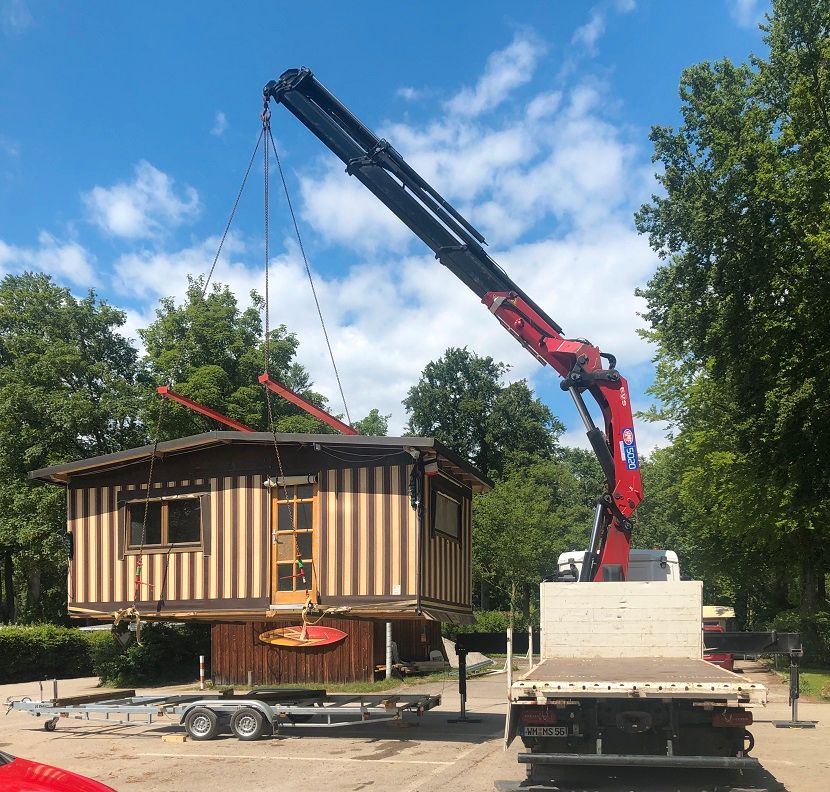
pixel 505 70
pixel 64 260
pixel 748 13
pixel 143 208
pixel 409 93
pixel 589 34
pixel 15 16
pixel 220 124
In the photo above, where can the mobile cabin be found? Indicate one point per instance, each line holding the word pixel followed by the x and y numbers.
pixel 381 525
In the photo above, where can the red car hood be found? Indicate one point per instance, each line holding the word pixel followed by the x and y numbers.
pixel 21 775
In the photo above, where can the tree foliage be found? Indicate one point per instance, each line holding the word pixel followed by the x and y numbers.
pixel 461 400
pixel 739 307
pixel 374 424
pixel 533 513
pixel 213 352
pixel 68 390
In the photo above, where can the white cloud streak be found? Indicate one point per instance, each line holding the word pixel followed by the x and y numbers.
pixel 220 124
pixel 748 13
pixel 146 207
pixel 15 17
pixel 506 70
pixel 64 260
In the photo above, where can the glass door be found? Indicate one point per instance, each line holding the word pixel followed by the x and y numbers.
pixel 292 543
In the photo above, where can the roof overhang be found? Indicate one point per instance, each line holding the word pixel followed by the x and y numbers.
pixel 427 446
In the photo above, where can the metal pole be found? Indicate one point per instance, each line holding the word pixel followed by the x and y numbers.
pixel 201 672
pixel 529 647
pixel 389 650
pixel 509 664
pixel 54 689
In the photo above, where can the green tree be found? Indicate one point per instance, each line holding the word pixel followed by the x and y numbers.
pixel 374 424
pixel 739 307
pixel 211 351
pixel 532 514
pixel 67 391
pixel 461 400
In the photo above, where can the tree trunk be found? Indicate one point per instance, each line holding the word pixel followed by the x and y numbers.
pixel 8 581
pixel 33 593
pixel 485 595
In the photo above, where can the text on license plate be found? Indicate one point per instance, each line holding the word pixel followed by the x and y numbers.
pixel 545 731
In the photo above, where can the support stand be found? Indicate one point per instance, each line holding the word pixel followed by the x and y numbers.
pixel 462 688
pixel 794 722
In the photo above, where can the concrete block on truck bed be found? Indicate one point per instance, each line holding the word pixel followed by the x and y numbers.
pixel 628 619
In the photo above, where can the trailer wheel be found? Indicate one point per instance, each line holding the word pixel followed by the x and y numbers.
pixel 51 724
pixel 248 723
pixel 749 742
pixel 201 723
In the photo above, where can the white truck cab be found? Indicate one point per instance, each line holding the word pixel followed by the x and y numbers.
pixel 643 565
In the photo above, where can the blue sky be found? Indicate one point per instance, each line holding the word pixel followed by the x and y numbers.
pixel 125 129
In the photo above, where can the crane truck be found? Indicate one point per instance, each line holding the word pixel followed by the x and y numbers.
pixel 622 679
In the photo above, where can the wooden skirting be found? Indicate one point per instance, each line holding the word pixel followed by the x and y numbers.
pixel 236 650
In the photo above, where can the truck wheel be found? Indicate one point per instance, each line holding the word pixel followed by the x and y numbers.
pixel 248 723
pixel 201 723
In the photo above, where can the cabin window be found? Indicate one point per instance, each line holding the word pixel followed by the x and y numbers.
pixel 447 507
pixel 174 521
pixel 294 537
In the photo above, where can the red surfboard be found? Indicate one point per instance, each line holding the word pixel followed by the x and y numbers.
pixel 315 635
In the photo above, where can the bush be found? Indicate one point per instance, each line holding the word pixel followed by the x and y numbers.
pixel 43 651
pixel 169 653
pixel 488 621
pixel 815 634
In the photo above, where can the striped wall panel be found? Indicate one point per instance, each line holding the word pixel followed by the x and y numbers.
pixel 447 563
pixel 367 533
pixel 231 563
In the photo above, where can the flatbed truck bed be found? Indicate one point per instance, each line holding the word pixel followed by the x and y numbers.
pixel 647 677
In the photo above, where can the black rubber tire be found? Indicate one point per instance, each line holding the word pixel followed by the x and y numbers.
pixel 51 724
pixel 201 723
pixel 248 723
pixel 749 742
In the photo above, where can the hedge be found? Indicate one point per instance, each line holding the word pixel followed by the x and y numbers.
pixel 170 653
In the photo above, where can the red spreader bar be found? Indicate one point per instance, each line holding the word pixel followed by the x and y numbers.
pixel 200 408
pixel 294 398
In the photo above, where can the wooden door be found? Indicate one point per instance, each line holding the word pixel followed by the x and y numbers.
pixel 293 543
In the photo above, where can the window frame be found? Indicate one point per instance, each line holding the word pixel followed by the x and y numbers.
pixel 129 503
pixel 441 485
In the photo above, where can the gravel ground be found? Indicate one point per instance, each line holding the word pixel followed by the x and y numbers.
pixel 430 755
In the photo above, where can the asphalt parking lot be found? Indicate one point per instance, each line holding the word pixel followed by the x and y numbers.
pixel 428 754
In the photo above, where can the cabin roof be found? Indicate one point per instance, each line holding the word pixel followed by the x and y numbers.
pixel 61 474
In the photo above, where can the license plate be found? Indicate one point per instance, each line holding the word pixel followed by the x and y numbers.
pixel 545 731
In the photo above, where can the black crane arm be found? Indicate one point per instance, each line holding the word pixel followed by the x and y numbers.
pixel 382 170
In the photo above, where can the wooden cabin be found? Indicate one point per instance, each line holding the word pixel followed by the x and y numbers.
pixel 382 526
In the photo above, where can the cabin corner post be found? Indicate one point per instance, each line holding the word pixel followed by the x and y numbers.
pixel 417 495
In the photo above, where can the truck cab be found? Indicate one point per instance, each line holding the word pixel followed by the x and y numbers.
pixel 643 565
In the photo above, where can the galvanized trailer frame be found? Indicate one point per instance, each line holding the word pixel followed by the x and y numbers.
pixel 248 716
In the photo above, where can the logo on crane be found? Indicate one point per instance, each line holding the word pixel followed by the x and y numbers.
pixel 628 449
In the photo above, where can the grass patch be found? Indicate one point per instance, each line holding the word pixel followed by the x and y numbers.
pixel 813 682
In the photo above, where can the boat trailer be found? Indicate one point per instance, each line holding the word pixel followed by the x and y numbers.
pixel 249 716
